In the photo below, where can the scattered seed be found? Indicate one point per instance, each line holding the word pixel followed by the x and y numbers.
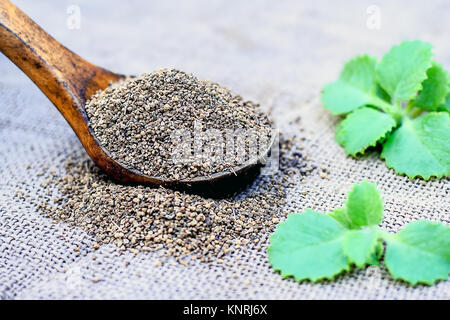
pixel 174 223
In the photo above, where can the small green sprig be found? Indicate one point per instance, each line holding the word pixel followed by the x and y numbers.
pixel 402 102
pixel 314 246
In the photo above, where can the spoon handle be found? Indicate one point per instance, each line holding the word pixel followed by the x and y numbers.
pixel 65 78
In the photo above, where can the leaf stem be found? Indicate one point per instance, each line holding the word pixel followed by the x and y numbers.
pixel 398 105
pixel 415 112
pixel 409 107
pixel 386 236
pixel 395 110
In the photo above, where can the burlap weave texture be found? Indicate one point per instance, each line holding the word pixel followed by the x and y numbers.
pixel 277 53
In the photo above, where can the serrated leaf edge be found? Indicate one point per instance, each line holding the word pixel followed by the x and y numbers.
pixel 372 144
pixel 312 279
pixel 378 191
pixel 403 173
pixel 415 283
pixel 448 79
pixel 374 245
pixel 359 56
pixel 389 237
pixel 371 96
pixel 330 214
pixel 299 279
pixel 418 87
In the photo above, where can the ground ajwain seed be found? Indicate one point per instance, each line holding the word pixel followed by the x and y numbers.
pixel 135 121
pixel 175 223
pixel 171 125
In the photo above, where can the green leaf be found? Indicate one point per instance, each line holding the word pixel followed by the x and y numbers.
pixel 381 93
pixel 375 257
pixel 360 245
pixel 420 147
pixel 403 69
pixel 355 88
pixel 420 253
pixel 341 216
pixel 446 105
pixel 363 128
pixel 364 205
pixel 435 88
pixel 360 72
pixel 363 208
pixel 308 246
pixel 313 246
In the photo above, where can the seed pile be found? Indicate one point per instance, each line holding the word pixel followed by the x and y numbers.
pixel 139 218
pixel 136 119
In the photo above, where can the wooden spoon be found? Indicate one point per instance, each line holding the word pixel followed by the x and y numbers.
pixel 69 81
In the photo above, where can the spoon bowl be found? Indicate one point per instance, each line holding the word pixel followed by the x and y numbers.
pixel 69 81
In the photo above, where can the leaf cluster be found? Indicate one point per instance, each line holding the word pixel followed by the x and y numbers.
pixel 314 246
pixel 401 102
